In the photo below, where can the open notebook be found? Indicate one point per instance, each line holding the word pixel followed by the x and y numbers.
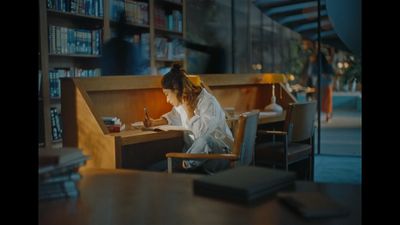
pixel 140 125
pixel 164 128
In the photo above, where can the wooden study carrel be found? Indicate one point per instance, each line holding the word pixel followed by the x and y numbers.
pixel 85 101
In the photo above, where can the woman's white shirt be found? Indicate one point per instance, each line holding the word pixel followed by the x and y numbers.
pixel 209 130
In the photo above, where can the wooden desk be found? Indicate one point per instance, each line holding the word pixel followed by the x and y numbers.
pixel 85 100
pixel 139 197
pixel 263 119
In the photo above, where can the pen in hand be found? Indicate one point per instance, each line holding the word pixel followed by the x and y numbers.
pixel 146 118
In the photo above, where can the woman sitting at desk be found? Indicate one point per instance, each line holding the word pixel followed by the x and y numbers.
pixel 197 110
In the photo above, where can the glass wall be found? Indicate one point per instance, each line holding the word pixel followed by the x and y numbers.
pixel 254 41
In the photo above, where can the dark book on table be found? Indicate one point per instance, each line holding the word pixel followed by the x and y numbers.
pixel 313 204
pixel 244 184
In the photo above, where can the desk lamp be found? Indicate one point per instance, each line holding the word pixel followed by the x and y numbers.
pixel 273 79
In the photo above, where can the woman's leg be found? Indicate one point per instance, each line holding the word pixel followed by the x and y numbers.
pixel 162 165
pixel 326 102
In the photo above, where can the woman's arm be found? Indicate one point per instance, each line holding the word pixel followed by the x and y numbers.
pixel 206 118
pixel 155 122
pixel 172 117
pixel 150 122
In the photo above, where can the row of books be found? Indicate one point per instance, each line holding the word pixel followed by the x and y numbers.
pixel 56 128
pixel 58 172
pixel 136 12
pixel 172 21
pixel 64 40
pixel 83 7
pixel 171 50
pixel 56 73
pixel 40 83
pixel 113 123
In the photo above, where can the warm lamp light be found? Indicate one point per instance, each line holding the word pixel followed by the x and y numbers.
pixel 195 79
pixel 290 77
pixel 273 79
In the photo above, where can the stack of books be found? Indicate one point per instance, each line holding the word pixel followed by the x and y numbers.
pixel 59 171
pixel 113 124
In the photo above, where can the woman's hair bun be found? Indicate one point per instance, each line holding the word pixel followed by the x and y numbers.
pixel 176 66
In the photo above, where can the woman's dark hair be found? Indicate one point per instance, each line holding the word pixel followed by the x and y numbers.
pixel 176 79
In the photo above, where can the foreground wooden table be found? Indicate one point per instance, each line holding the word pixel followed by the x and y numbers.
pixel 138 197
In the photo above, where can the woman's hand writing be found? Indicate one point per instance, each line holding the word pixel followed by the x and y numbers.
pixel 148 122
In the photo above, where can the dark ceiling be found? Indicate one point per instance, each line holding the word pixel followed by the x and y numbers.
pixel 301 16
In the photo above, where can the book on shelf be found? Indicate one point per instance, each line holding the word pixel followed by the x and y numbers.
pixel 244 184
pixel 40 83
pixel 137 12
pixel 64 40
pixel 55 124
pixel 89 8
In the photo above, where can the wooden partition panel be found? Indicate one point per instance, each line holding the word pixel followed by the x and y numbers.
pixel 241 97
pixel 128 105
pixel 245 92
pixel 83 129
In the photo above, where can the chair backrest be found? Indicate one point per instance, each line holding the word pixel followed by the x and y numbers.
pixel 245 137
pixel 299 121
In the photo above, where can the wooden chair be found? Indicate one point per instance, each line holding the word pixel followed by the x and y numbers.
pixel 297 143
pixel 243 146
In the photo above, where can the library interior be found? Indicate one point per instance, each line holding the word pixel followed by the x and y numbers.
pixel 199 112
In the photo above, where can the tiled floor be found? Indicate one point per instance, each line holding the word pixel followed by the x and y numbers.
pixel 340 158
pixel 342 135
pixel 337 169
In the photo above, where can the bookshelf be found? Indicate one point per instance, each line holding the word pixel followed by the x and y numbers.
pixel 167 31
pixel 71 34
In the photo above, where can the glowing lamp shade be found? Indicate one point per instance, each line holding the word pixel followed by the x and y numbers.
pixel 273 79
